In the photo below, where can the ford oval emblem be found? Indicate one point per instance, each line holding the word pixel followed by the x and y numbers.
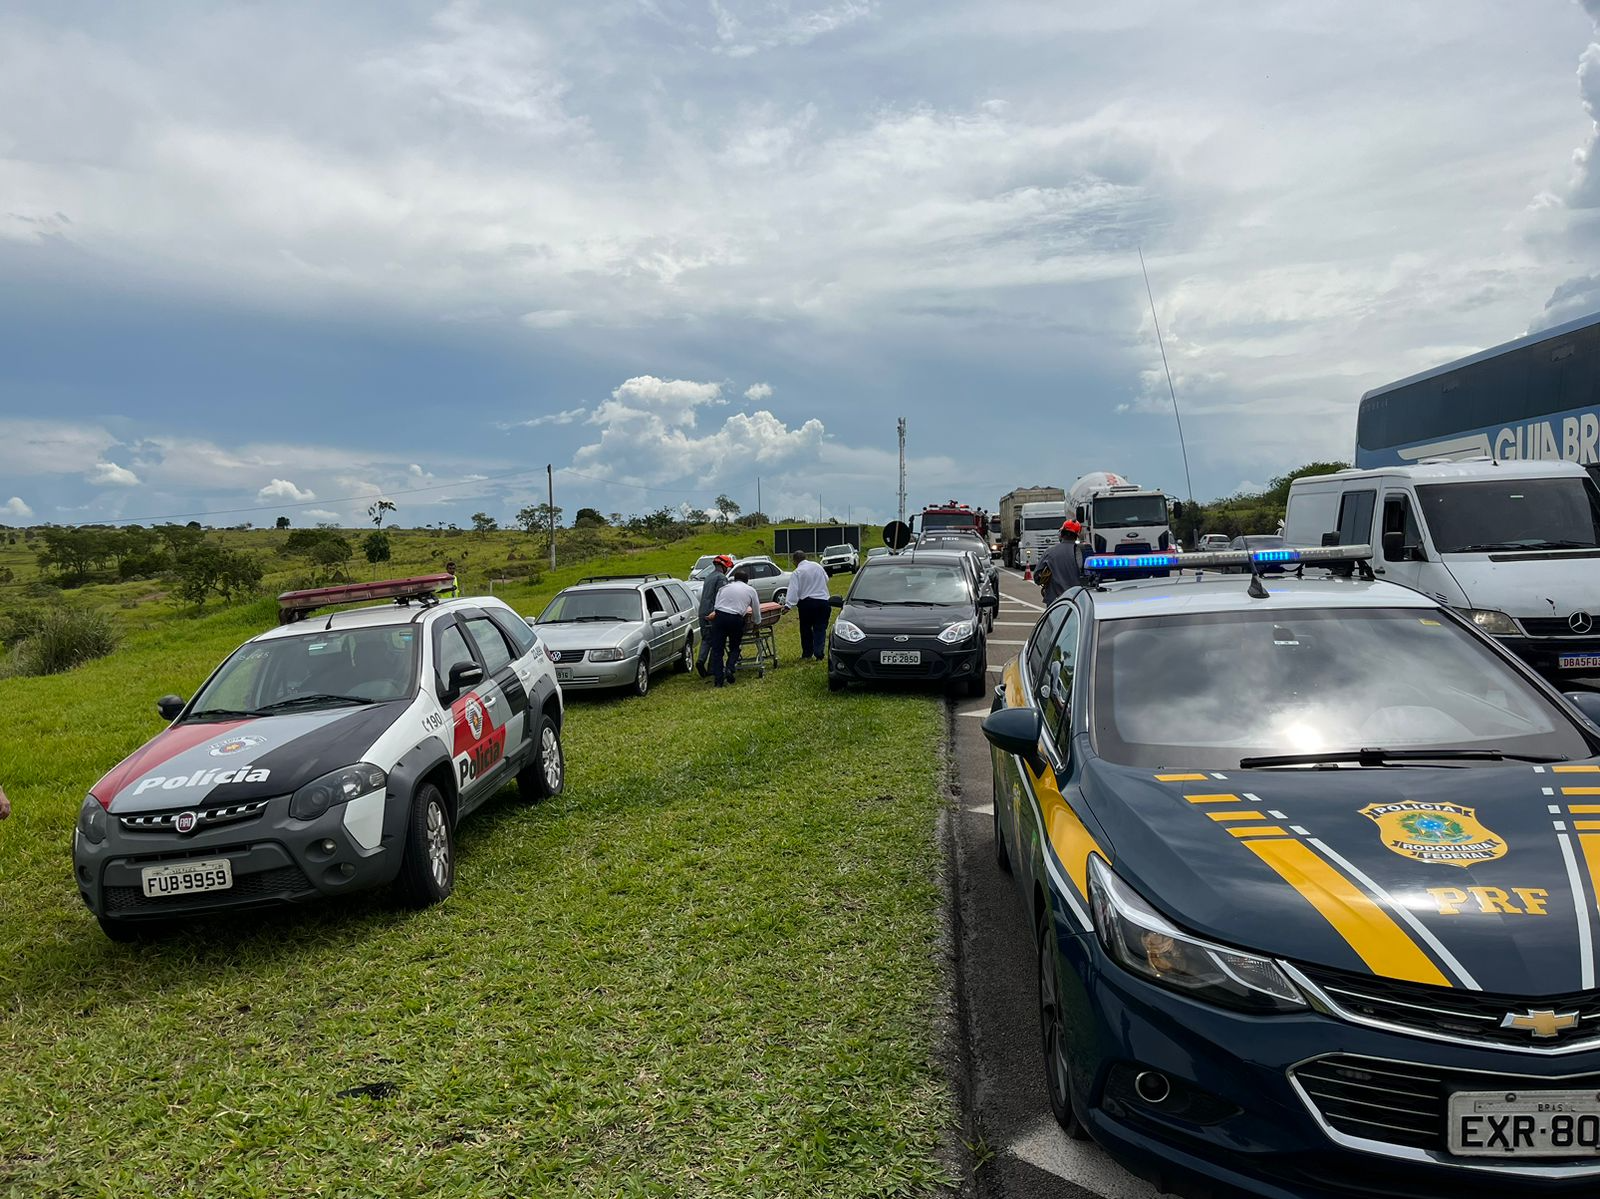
pixel 901 637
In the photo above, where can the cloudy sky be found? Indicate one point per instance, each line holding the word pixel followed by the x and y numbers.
pixel 262 259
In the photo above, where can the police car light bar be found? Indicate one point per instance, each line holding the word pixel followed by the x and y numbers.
pixel 293 605
pixel 1321 555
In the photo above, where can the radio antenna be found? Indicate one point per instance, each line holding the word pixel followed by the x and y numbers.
pixel 1171 391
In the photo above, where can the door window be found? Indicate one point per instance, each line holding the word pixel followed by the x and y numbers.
pixel 1043 634
pixel 655 602
pixel 1398 517
pixel 497 654
pixel 516 630
pixel 1059 666
pixel 453 649
pixel 1355 517
pixel 680 597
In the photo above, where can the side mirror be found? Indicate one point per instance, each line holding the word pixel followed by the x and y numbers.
pixel 658 617
pixel 169 706
pixel 836 601
pixel 1331 538
pixel 1016 731
pixel 1394 545
pixel 1587 703
pixel 987 600
pixel 464 675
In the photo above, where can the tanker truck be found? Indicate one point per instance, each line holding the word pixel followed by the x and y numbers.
pixel 1119 517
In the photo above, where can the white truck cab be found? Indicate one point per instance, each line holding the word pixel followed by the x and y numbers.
pixel 1513 545
pixel 1041 528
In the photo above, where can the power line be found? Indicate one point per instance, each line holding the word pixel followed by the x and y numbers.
pixel 1189 483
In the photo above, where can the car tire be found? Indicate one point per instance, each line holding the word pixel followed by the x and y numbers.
pixel 780 595
pixel 546 775
pixel 428 864
pixel 1002 859
pixel 836 682
pixel 641 677
pixel 686 659
pixel 1052 1024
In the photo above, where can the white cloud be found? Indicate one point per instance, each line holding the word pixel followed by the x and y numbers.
pixel 549 318
pixel 757 392
pixel 109 474
pixel 14 507
pixel 743 29
pixel 564 417
pixel 36 447
pixel 320 516
pixel 285 492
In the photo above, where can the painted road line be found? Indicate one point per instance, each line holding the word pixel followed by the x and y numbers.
pixel 1001 641
pixel 1044 1147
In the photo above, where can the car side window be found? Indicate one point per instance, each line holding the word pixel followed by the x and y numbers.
pixel 1355 517
pixel 680 597
pixel 654 601
pixel 516 630
pixel 492 643
pixel 1043 634
pixel 1399 518
pixel 1060 664
pixel 452 649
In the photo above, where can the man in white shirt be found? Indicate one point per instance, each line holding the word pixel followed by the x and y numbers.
pixel 808 592
pixel 736 602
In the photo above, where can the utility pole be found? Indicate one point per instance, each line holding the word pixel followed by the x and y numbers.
pixel 550 500
pixel 900 425
pixel 758 494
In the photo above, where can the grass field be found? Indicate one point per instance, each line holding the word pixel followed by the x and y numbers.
pixel 709 968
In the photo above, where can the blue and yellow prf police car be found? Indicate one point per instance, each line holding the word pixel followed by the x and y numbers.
pixel 1312 867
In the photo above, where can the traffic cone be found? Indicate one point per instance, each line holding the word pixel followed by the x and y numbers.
pixel 1027 574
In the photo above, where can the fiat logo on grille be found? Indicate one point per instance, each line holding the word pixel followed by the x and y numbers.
pixel 185 822
pixel 1580 622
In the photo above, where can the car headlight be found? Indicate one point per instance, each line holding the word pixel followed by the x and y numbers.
pixel 960 631
pixel 606 655
pixel 339 786
pixel 92 821
pixel 1145 942
pixel 847 631
pixel 1496 624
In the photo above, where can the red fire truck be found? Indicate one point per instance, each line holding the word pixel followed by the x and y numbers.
pixel 952 515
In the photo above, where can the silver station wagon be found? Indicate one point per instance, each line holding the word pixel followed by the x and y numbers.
pixel 617 631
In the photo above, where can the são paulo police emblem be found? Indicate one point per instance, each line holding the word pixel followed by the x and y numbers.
pixel 474 715
pixel 1444 833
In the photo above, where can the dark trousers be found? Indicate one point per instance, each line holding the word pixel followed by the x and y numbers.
pixel 727 631
pixel 813 627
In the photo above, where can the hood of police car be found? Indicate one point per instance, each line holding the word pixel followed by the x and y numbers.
pixel 201 763
pixel 1481 877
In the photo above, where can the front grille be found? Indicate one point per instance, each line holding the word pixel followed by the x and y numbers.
pixel 1392 1102
pixel 567 655
pixel 282 883
pixel 164 822
pixel 1556 626
pixel 1402 1103
pixel 1456 1013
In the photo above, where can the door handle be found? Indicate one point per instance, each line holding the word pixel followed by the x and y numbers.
pixel 1378 570
pixel 490 702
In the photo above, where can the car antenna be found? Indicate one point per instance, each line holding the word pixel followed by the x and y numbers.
pixel 1257 589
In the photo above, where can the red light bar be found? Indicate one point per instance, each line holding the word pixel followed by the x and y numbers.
pixel 292 605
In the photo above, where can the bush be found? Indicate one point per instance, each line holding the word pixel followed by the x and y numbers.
pixel 209 569
pixel 61 639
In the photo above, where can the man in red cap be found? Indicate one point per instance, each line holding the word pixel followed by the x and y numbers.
pixel 1060 569
pixel 721 565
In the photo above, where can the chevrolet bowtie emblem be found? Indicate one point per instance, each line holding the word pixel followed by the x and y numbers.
pixel 1541 1024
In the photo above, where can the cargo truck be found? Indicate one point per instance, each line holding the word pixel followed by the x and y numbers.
pixel 1010 531
pixel 1119 517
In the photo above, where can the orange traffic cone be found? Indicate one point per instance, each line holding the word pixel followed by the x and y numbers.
pixel 1027 574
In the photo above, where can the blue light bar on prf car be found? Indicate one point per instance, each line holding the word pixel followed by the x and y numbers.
pixel 1112 563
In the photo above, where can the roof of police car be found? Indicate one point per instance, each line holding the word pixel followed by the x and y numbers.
pixel 375 614
pixel 1212 591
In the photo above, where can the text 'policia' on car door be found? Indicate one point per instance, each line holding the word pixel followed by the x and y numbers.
pixel 487 723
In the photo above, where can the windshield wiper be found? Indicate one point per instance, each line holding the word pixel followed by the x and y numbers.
pixel 300 701
pixel 220 714
pixel 1389 757
pixel 582 618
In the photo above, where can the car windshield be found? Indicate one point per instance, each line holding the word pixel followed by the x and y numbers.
pixel 702 566
pixel 1207 690
pixel 313 670
pixel 1034 524
pixel 836 549
pixel 1129 511
pixel 910 583
pixel 1512 514
pixel 949 520
pixel 1264 541
pixel 608 605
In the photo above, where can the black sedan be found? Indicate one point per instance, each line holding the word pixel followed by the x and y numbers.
pixel 913 616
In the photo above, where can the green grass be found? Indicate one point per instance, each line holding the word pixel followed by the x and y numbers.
pixel 709 968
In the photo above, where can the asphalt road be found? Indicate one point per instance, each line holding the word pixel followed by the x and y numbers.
pixel 1007 1108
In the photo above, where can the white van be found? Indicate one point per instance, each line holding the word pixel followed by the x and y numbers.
pixel 1515 546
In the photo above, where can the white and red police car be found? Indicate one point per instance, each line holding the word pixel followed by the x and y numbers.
pixel 325 757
